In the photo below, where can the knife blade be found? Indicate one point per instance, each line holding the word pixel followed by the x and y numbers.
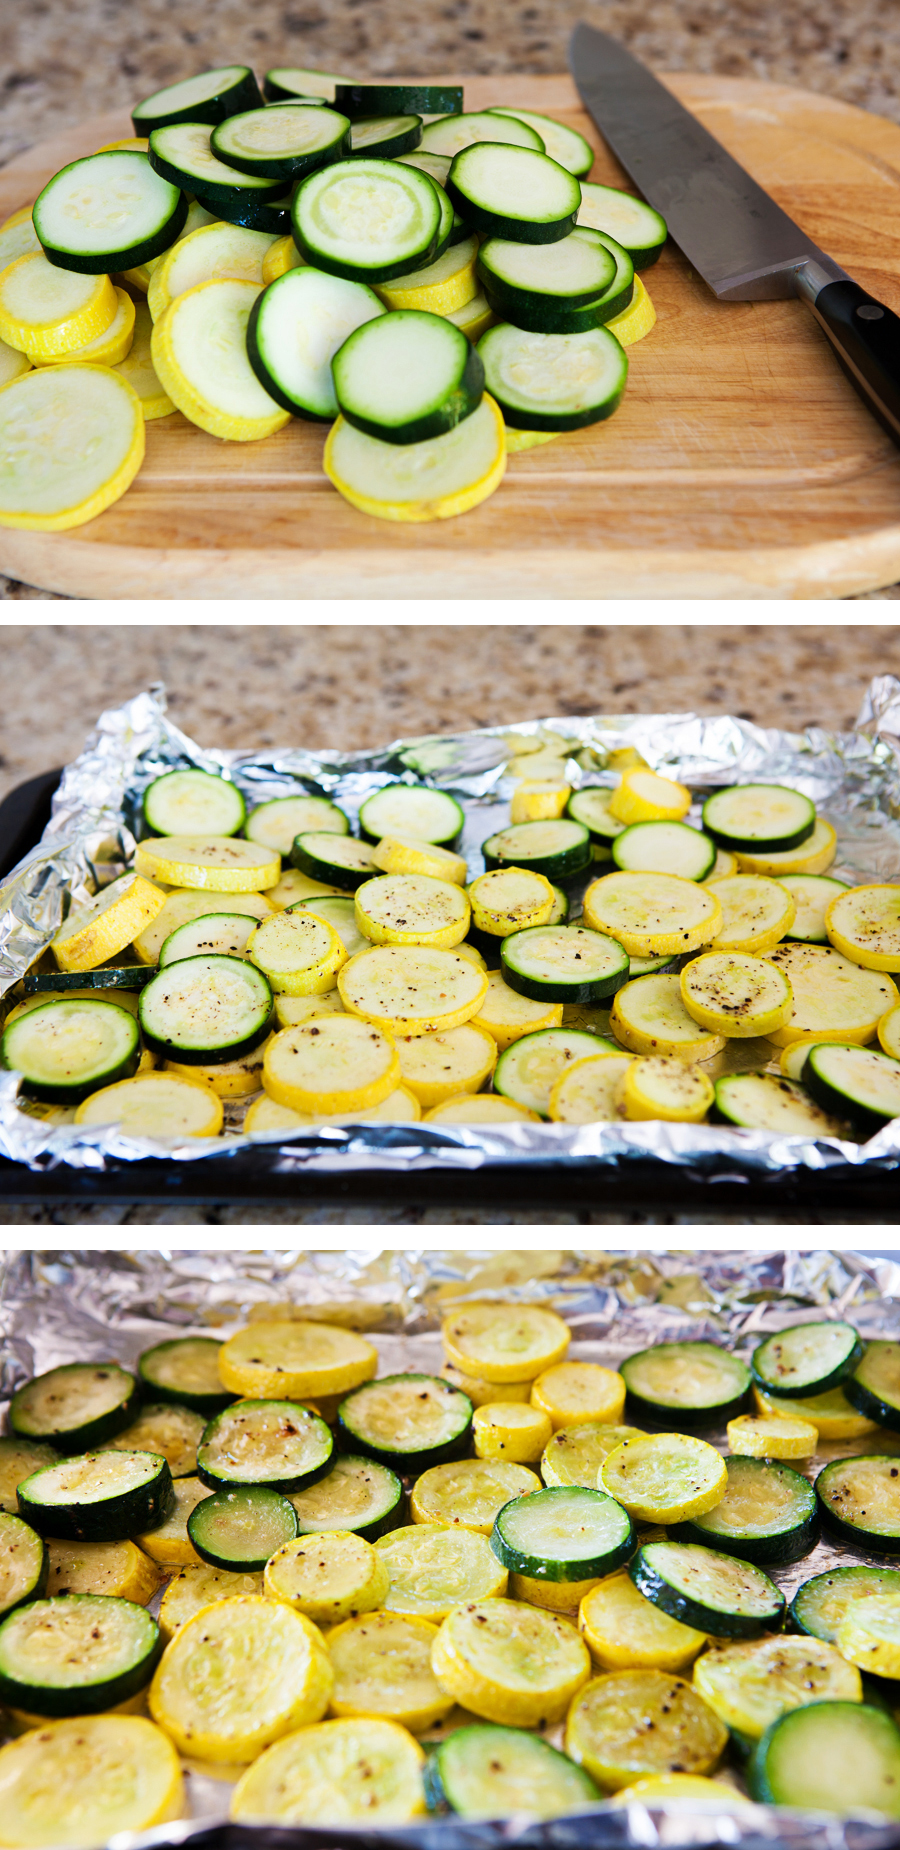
pixel 730 230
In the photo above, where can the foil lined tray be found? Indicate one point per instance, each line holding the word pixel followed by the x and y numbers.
pixel 853 778
pixel 58 1307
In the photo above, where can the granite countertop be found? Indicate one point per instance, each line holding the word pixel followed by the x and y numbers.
pixel 63 60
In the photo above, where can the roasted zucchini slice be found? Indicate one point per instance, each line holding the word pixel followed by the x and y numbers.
pixel 76 1655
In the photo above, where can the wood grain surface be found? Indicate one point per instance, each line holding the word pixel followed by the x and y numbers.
pixel 741 463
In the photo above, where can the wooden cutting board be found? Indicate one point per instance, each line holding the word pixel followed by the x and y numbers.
pixel 740 464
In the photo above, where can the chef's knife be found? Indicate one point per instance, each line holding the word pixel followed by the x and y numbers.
pixel 728 228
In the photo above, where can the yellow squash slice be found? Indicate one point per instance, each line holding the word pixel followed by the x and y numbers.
pixel 199 349
pixel 889 1033
pixel 649 1017
pixel 280 257
pixel 172 1430
pixel 625 1631
pixel 106 349
pixel 665 1478
pixel 432 1569
pixel 232 1079
pixel 831 1413
pixel 412 909
pixel 18 1458
pixel 834 999
pixel 404 854
pixel 631 1723
pixel 95 932
pixel 589 1091
pixel 510 899
pixel 300 954
pixel 71 443
pixel 433 480
pixel 436 1067
pixel 756 913
pixel 213 863
pixel 468 1495
pixel 507 1016
pixel 480 1108
pixel 635 321
pixel 504 1429
pixel 382 1666
pixel 474 320
pixel 73 1784
pixel 777 1437
pixel 642 796
pixel 193 1588
pixel 869 1636
pixel 864 924
pixel 510 1662
pixel 18 237
pixel 478 1389
pixel 169 1542
pixel 183 905
pixel 653 915
pixel 573 1393
pixel 412 989
pixel 293 888
pixel 813 856
pixel 118 1569
pixel 156 1105
pixel 693 1788
pixel 330 1577
pixel 575 1453
pixel 333 1063
pixel 440 287
pixel 45 311
pixel 295 1360
pixel 366 1771
pixel 665 1087
pixel 736 995
pixel 12 364
pixel 214 251
pixel 237 1676
pixel 400 1107
pixel 749 1684
pixel 292 1011
pixel 504 1342
pixel 539 802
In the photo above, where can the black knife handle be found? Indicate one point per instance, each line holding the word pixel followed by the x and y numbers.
pixel 866 339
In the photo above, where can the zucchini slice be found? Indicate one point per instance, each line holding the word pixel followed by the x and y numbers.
pixel 485 1771
pixel 702 1587
pixel 831 1756
pixel 564 1533
pixel 748 1685
pixel 76 1406
pixel 625 1631
pixel 759 818
pixel 528 1070
pixel 18 1459
pixel 327 1577
pixel 591 806
pixel 430 1569
pixel 807 1358
pixel 108 212
pixel 281 143
pixel 173 1431
pixel 564 145
pixel 66 1050
pixel 514 193
pixel 168 1542
pixel 510 1662
pixel 767 1102
pixel 663 1478
pixel 663 848
pixel 208 97
pixel 575 1454
pixel 630 1723
pixel 338 911
pixel 298 376
pixel 412 809
pixel 407 377
pixel 282 1679
pixel 296 1359
pixel 768 1515
pixel 357 1495
pixel 206 1010
pixel 339 860
pixel 557 849
pixel 239 1530
pixel 811 894
pixel 366 219
pixel 274 1443
pixel 387 99
pixel 563 963
pixel 470 1494
pixel 408 1422
pixel 382 1666
pixel 180 907
pixel 194 1587
pixel 82 1781
pixel 286 83
pixel 640 231
pixel 874 1386
pixel 59 983
pixel 181 152
pixel 276 824
pixel 860 1082
pixel 365 1772
pixel 699 1382
pixel 385 137
pixel 193 803
pixel 820 1606
pixel 76 1655
pixel 184 1372
pixel 860 1501
pixel 451 133
pixel 24 1563
pixel 735 994
pixel 98 1496
pixel 219 934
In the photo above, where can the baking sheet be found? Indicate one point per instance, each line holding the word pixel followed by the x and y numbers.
pixel 854 779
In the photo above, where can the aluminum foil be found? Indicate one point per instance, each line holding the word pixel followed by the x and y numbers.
pixel 853 778
pixel 58 1307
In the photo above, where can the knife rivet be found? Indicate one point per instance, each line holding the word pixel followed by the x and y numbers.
pixel 869 311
